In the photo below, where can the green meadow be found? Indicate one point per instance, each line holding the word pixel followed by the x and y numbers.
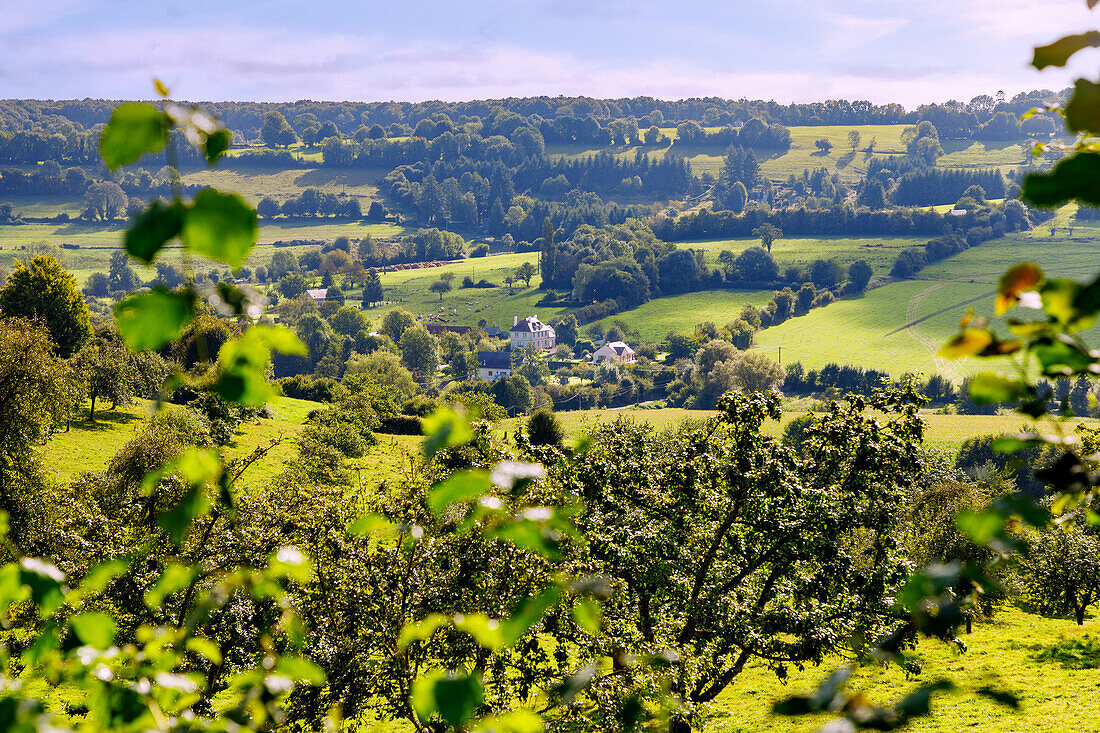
pixel 804 154
pixel 879 251
pixel 652 321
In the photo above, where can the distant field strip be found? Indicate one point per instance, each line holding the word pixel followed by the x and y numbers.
pixel 916 301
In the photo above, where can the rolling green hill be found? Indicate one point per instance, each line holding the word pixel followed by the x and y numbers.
pixel 877 328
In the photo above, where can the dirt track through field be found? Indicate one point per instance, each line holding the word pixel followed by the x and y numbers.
pixel 945 367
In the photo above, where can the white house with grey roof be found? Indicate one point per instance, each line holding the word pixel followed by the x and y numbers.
pixel 531 332
pixel 614 351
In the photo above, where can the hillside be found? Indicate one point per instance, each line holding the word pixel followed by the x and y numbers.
pixel 881 328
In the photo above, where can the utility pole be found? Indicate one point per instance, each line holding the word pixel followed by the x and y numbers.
pixel 780 354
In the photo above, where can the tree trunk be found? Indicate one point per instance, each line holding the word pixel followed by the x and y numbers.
pixel 969 623
pixel 91 411
pixel 1079 612
pixel 679 726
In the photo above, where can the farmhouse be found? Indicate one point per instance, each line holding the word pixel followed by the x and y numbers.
pixel 492 365
pixel 531 332
pixel 614 351
pixel 318 293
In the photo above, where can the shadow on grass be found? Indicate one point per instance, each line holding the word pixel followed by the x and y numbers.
pixel 1079 652
pixel 105 420
pixel 844 160
pixel 956 146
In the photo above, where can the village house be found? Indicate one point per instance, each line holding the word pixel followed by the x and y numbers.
pixel 492 365
pixel 317 293
pixel 613 351
pixel 531 332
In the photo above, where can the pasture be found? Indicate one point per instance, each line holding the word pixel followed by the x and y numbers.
pixel 804 154
pixel 97 242
pixel 879 251
pixel 280 184
pixel 653 320
pixel 865 330
pixel 90 446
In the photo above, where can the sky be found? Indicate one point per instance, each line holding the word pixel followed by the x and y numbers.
pixel 906 51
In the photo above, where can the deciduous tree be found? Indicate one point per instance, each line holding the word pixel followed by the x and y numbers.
pixel 46 292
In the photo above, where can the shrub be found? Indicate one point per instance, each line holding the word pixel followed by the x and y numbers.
pixel 303 387
pixel 543 429
pixel 401 425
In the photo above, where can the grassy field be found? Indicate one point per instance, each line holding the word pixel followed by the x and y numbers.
pixel 653 320
pixel 804 154
pixel 98 242
pixel 1051 664
pixel 279 184
pixel 944 433
pixel 88 446
pixel 865 330
pixel 408 289
pixel 879 252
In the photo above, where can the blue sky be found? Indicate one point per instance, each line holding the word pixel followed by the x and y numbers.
pixel 909 51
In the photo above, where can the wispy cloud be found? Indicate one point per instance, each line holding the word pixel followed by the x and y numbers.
pixel 911 51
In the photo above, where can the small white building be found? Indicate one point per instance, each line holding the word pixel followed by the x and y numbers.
pixel 613 351
pixel 318 293
pixel 531 332
pixel 492 365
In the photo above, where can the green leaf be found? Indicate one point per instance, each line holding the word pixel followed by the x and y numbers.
pixel 176 520
pixel 206 649
pixel 1028 329
pixel 220 226
pixel 94 629
pixel 152 229
pixel 151 320
pixel 989 389
pixel 133 130
pixel 530 535
pixel 243 362
pixel 980 527
pixel 46 584
pixel 172 578
pixel 301 669
pixel 1059 302
pixel 1087 300
pixel 12 589
pixel 461 487
pixel 372 525
pixel 529 612
pixel 1061 359
pixel 1059 52
pixel 453 697
pixel 1076 177
pixel 1013 443
pixel 586 612
pixel 421 630
pixel 216 144
pixel 1083 108
pixel 485 631
pixel 1023 506
pixel 445 428
pixel 200 468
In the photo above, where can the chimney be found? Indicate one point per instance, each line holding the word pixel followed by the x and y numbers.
pixel 515 321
